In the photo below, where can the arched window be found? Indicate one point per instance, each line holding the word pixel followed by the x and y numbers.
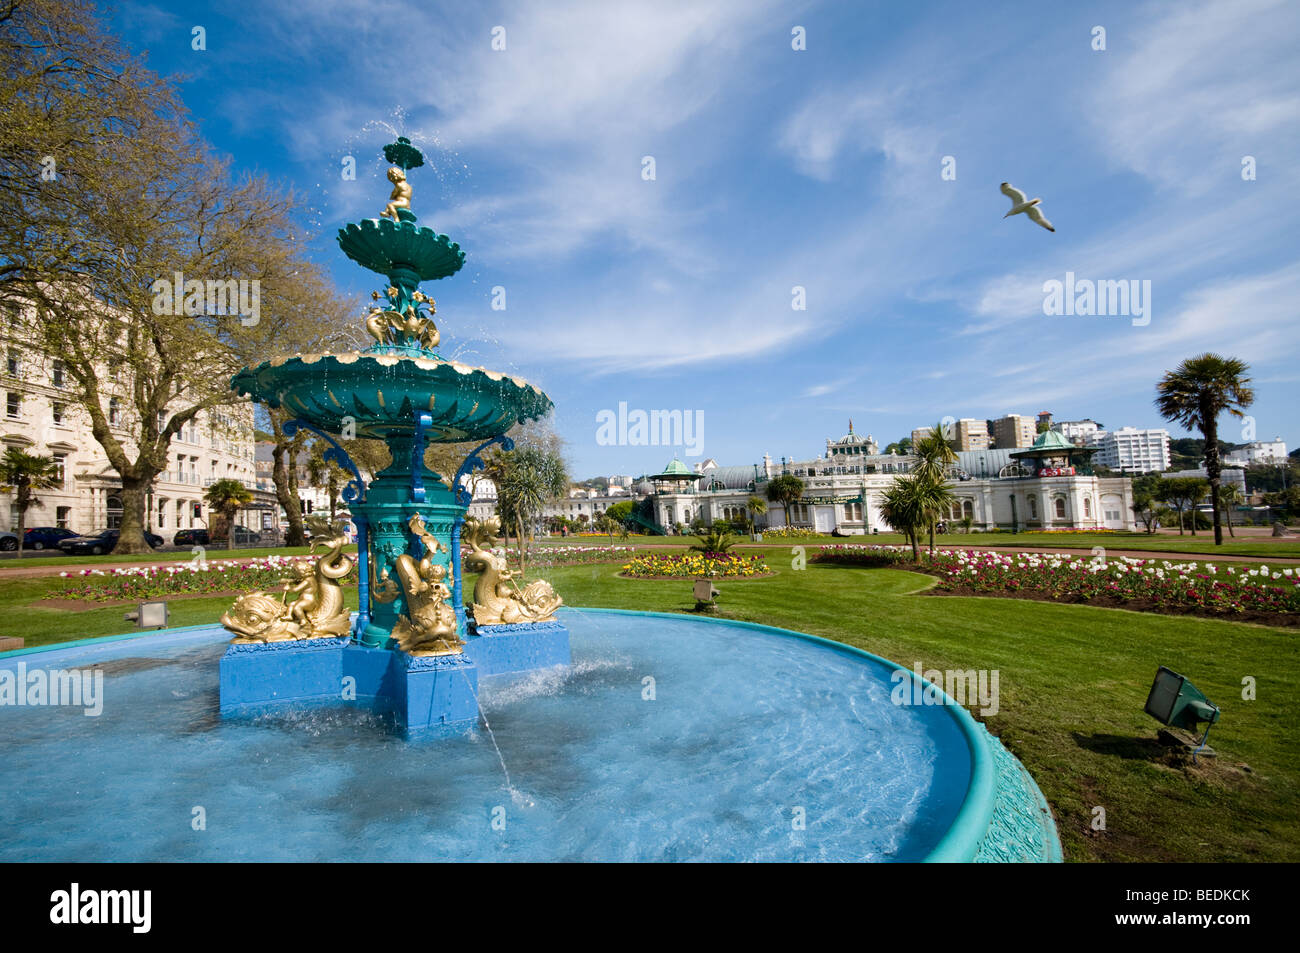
pixel 1033 507
pixel 968 508
pixel 1087 507
pixel 1060 507
pixel 114 514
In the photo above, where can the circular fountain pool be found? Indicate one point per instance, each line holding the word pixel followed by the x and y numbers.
pixel 669 738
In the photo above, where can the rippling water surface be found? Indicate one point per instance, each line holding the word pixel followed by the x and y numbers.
pixel 739 735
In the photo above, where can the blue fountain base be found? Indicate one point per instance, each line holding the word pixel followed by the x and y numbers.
pixel 418 692
pixel 502 649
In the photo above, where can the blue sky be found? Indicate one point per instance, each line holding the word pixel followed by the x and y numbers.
pixel 777 168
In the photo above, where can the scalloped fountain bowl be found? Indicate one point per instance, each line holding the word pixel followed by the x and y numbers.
pixel 383 245
pixel 381 391
pixel 668 738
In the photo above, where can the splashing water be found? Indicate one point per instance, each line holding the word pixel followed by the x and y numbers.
pixel 518 797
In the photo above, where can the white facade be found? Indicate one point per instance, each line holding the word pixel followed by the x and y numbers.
pixel 43 417
pixel 1078 432
pixel 1260 452
pixel 1131 449
pixel 844 495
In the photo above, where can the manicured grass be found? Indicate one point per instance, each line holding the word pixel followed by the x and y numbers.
pixel 156 556
pixel 1072 682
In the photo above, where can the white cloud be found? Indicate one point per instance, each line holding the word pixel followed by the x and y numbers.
pixel 1190 88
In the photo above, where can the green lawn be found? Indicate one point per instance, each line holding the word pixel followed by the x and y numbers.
pixel 160 555
pixel 1072 681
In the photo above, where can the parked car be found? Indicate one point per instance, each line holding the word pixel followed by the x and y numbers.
pixel 96 544
pixel 191 537
pixel 243 537
pixel 45 537
pixel 8 542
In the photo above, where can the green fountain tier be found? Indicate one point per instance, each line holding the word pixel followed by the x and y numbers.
pixel 390 247
pixel 380 393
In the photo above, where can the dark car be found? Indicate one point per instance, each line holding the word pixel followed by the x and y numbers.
pixel 45 537
pixel 191 537
pixel 243 535
pixel 96 544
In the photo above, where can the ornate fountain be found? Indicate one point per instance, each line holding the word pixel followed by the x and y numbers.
pixel 413 649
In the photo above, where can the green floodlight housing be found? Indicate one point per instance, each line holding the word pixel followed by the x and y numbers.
pixel 1176 702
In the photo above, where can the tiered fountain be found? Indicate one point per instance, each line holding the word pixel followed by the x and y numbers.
pixel 413 649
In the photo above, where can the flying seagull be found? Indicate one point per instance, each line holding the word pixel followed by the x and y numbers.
pixel 1020 204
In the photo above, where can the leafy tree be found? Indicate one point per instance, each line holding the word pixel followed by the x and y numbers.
pixel 134 195
pixel 25 472
pixel 620 511
pixel 1287 502
pixel 226 497
pixel 284 475
pixel 607 526
pixel 1146 501
pixel 787 490
pixel 1230 497
pixel 1182 494
pixel 901 447
pixel 1194 395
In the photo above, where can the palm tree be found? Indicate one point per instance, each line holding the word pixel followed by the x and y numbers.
pixel 755 506
pixel 934 457
pixel 226 497
pixel 902 506
pixel 1230 496
pixel 787 490
pixel 526 480
pixel 714 540
pixel 1194 395
pixel 26 472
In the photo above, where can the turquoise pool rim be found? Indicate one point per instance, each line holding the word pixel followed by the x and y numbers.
pixel 960 844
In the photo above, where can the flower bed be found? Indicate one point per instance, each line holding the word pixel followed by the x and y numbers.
pixel 790 532
pixel 695 566
pixel 130 583
pixel 859 555
pixel 1160 584
pixel 542 556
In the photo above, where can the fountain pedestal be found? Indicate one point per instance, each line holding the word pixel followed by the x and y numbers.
pixel 500 649
pixel 417 692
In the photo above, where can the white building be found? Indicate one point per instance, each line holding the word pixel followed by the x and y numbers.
pixel 1259 452
pixel 1078 432
pixel 1049 486
pixel 43 417
pixel 1130 449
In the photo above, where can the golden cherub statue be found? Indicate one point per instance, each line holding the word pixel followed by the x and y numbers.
pixel 401 195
